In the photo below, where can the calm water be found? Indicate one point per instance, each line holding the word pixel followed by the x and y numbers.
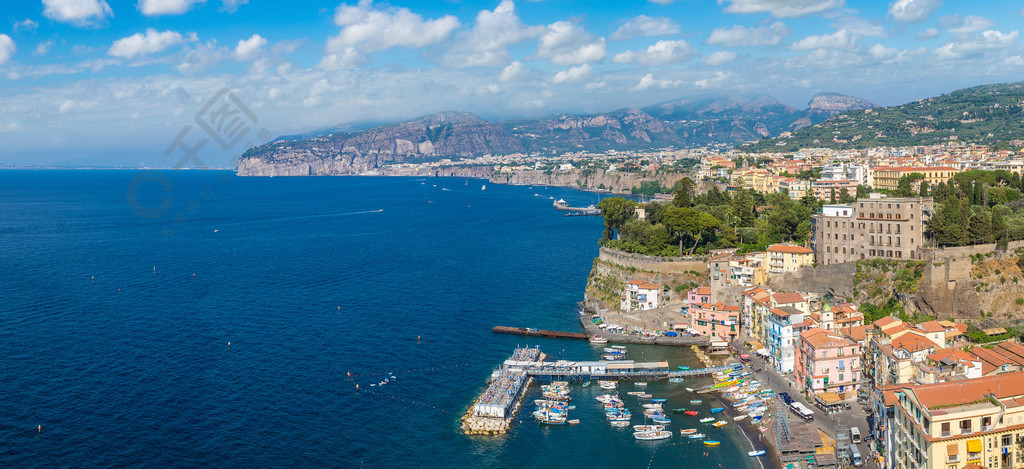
pixel 124 366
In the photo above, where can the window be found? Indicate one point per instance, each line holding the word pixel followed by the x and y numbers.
pixel 945 428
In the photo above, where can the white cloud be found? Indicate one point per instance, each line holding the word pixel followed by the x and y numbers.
pixel 166 7
pixel 645 26
pixel 493 32
pixel 565 43
pixel 26 24
pixel 248 49
pixel 202 57
pixel 144 44
pixel 43 48
pixel 515 71
pixel 841 39
pixel 719 78
pixel 721 57
pixel 977 46
pixel 231 6
pixel 913 11
pixel 929 33
pixel 957 25
pixel 648 81
pixel 370 29
pixel 738 36
pixel 343 59
pixel 77 12
pixel 7 48
pixel 572 74
pixel 660 53
pixel 860 27
pixel 781 8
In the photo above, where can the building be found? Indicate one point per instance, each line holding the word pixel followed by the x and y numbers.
pixel 784 327
pixel 716 320
pixel 888 177
pixel 788 258
pixel 870 228
pixel 640 294
pixel 795 188
pixel 823 189
pixel 957 423
pixel 828 362
pixel 699 295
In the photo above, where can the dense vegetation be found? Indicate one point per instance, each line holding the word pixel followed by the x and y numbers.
pixel 978 207
pixel 988 114
pixel 695 223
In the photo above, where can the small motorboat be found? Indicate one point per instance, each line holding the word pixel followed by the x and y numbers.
pixel 715 410
pixel 678 411
pixel 620 423
pixel 696 401
pixel 644 396
pixel 640 384
pixel 662 435
pixel 689 389
pixel 586 384
pixel 675 380
pixel 755 454
pixel 739 417
pixel 636 393
pixel 658 401
pixel 691 413
pixel 574 422
pixel 720 423
pixel 707 420
pixel 648 428
pixel 712 443
pixel 682 368
pixel 661 420
pixel 598 340
pixel 697 436
pixel 687 431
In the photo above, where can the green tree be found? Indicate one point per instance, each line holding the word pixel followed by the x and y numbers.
pixel 616 211
pixel 743 209
pixel 904 188
pixel 999 231
pixel 682 192
pixel 845 197
pixel 863 192
pixel 689 222
pixel 832 195
pixel 979 230
pixel 947 224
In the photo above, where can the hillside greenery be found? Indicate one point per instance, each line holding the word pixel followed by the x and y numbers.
pixel 989 114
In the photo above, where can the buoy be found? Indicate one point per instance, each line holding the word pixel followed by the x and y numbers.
pixel 93 278
pixel 119 290
pixel 357 388
pixel 154 269
pixel 40 428
pixel 339 309
pixel 417 339
pixel 229 344
pixel 193 275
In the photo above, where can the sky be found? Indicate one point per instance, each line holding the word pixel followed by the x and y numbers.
pixel 122 82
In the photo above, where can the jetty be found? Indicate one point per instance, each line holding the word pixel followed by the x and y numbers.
pixel 539 332
pixel 493 411
pixel 564 206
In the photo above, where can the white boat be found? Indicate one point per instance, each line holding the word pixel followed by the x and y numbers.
pixel 598 340
pixel 707 420
pixel 675 380
pixel 653 406
pixel 620 347
pixel 647 436
pixel 635 393
pixel 755 454
pixel 620 423
pixel 483 187
pixel 648 428
pixel 687 431
pixel 697 436
pixel 640 384
pixel 740 417
pixel 689 389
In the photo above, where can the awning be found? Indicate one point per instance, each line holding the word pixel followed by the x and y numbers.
pixel 754 345
pixel 952 450
pixel 828 398
pixel 745 356
pixel 974 446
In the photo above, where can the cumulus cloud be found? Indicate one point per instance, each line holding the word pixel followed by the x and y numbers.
pixel 721 57
pixel 573 74
pixel 43 48
pixel 645 26
pixel 957 25
pixel 913 11
pixel 7 48
pixel 138 44
pixel 929 33
pixel 648 81
pixel 566 43
pixel 781 8
pixel 26 24
pixel 494 31
pixel 166 7
pixel 231 6
pixel 77 12
pixel 661 53
pixel 719 78
pixel 345 58
pixel 860 27
pixel 841 39
pixel 370 29
pixel 248 49
pixel 738 36
pixel 977 45
pixel 515 71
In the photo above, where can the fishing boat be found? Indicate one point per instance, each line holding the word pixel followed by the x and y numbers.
pixel 675 380
pixel 682 368
pixel 715 410
pixel 707 420
pixel 755 454
pixel 689 389
pixel 678 411
pixel 635 393
pixel 696 401
pixel 687 431
pixel 691 413
pixel 648 436
pixel 697 436
pixel 648 428
pixel 598 340
pixel 739 417
pixel 720 423
pixel 614 350
pixel 661 420
pixel 640 384
pixel 620 423
pixel 712 443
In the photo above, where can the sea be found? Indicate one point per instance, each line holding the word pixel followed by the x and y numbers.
pixel 199 319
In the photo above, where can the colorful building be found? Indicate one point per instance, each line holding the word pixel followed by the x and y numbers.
pixel 715 320
pixel 828 362
pixel 640 295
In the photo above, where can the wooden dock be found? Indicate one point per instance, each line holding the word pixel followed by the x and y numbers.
pixel 539 332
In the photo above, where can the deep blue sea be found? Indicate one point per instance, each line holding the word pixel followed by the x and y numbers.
pixel 114 328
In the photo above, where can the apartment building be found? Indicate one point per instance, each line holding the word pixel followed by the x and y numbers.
pixel 716 320
pixel 875 227
pixel 888 177
pixel 788 258
pixel 784 326
pixel 640 294
pixel 823 189
pixel 828 362
pixel 795 188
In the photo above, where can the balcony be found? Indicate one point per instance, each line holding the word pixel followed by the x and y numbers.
pixel 955 458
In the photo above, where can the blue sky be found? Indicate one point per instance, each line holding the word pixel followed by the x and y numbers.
pixel 109 81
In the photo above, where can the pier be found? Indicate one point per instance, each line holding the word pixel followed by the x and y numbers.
pixel 539 332
pixel 492 412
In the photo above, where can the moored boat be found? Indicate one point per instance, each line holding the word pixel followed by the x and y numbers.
pixel 675 380
pixel 689 389
pixel 739 417
pixel 620 423
pixel 678 411
pixel 691 413
pixel 712 443
pixel 682 368
pixel 662 435
pixel 661 420
pixel 697 436
pixel 598 340
pixel 755 454
pixel 687 431
pixel 715 410
pixel 648 428
pixel 720 423
pixel 707 420
pixel 696 401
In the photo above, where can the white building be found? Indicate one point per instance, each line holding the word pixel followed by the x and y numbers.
pixel 784 327
pixel 640 294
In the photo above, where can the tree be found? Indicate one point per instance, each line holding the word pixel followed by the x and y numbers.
pixel 999 231
pixel 743 209
pixel 616 211
pixel 979 229
pixel 904 188
pixel 832 195
pixel 682 192
pixel 924 188
pixel 947 224
pixel 863 192
pixel 845 197
pixel 687 221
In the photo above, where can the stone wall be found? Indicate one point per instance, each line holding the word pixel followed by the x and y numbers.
pixel 836 279
pixel 967 251
pixel 672 265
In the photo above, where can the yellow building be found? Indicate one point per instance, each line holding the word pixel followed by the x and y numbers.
pixel 888 177
pixel 952 424
pixel 788 258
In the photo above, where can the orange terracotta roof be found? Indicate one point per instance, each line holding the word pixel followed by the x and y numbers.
pixel 957 393
pixel 788 298
pixel 704 291
pixel 881 323
pixel 912 343
pixel 789 248
pixel 931 326
pixel 780 313
pixel 857 333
